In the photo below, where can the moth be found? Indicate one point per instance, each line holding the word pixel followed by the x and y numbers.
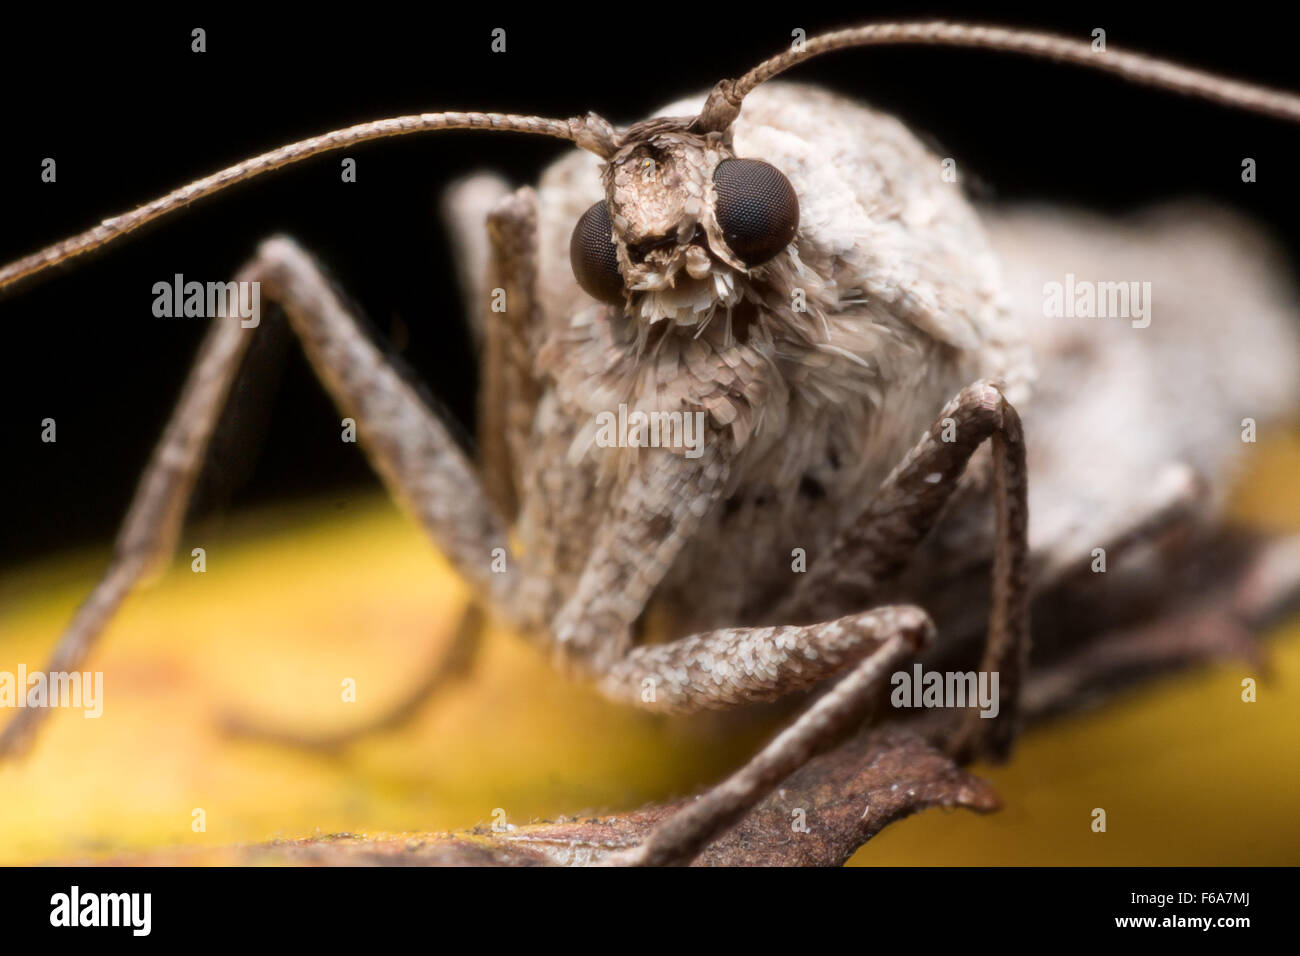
pixel 761 408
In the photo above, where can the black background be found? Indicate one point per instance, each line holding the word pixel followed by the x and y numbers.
pixel 129 112
pixel 952 906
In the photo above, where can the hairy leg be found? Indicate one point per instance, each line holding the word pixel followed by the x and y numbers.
pixel 741 665
pixel 148 533
pixel 738 665
pixel 511 321
pixel 876 547
pixel 411 449
pixel 495 234
pixel 406 443
pixel 464 208
pixel 658 510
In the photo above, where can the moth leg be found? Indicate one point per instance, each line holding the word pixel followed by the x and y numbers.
pixel 450 665
pixel 410 448
pixel 657 509
pixel 733 666
pixel 724 668
pixel 511 323
pixel 876 546
pixel 149 531
pixel 464 209
pixel 407 444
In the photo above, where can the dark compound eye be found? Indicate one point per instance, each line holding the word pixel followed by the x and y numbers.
pixel 594 258
pixel 756 208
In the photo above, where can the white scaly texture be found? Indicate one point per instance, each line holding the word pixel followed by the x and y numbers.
pixel 904 307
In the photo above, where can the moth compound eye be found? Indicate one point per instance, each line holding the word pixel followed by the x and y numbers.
pixel 594 256
pixel 756 208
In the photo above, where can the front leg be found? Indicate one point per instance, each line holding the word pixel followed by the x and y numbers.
pixel 735 666
pixel 509 390
pixel 656 511
pixel 741 665
pixel 909 502
pixel 408 445
pixel 406 442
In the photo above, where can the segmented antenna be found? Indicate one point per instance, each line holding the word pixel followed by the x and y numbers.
pixel 590 132
pixel 723 104
pixel 719 112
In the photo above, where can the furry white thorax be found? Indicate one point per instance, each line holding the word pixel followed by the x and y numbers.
pixel 817 371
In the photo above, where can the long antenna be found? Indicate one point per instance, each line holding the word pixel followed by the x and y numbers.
pixel 590 132
pixel 720 110
pixel 723 104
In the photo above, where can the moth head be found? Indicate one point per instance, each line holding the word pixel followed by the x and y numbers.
pixel 684 222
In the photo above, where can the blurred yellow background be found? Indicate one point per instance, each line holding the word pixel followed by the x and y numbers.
pixel 295 601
